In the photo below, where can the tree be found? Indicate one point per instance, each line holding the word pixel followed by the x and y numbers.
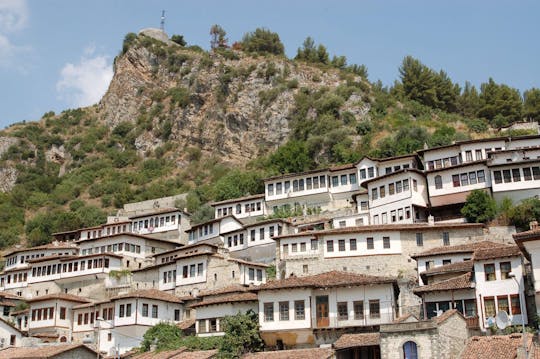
pixel 263 41
pixel 499 100
pixel 217 37
pixel 524 213
pixel 291 157
pixel 163 335
pixel 179 39
pixel 479 207
pixel 418 81
pixel 468 102
pixel 241 335
pixel 531 104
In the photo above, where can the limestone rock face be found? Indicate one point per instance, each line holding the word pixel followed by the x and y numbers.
pixel 8 176
pixel 237 107
pixel 6 143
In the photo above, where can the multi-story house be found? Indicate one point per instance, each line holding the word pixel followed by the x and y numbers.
pixel 210 231
pixel 313 310
pixel 244 207
pixel 190 269
pixel 216 304
pixel 529 243
pixel 478 280
pixel 167 223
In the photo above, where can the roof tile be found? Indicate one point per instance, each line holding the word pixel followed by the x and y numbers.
pixel 357 340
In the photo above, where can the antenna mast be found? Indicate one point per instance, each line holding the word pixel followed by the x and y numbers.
pixel 162 24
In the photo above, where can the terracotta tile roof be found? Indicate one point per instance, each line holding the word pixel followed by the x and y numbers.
pixel 497 252
pixel 494 346
pixel 464 266
pixel 186 324
pixel 346 166
pixel 200 354
pixel 62 296
pixel 404 318
pixel 382 227
pixel 242 297
pixel 460 282
pixel 17 312
pixel 9 295
pixel 391 174
pixel 255 264
pixel 57 245
pixel 444 316
pixel 7 303
pixel 327 279
pixel 315 353
pixel 234 288
pixel 154 213
pixel 528 235
pixel 461 248
pixel 150 294
pixel 49 351
pixel 167 354
pixel 357 340
pixel 239 199
pixel 88 305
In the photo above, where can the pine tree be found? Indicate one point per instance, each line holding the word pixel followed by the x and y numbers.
pixel 531 104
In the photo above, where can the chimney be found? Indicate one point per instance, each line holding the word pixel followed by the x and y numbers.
pixel 533 225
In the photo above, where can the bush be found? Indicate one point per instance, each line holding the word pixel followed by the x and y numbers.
pixel 129 40
pixel 179 96
pixel 179 39
pixel 263 41
pixel 479 207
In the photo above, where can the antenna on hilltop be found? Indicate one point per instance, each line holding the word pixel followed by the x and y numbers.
pixel 162 23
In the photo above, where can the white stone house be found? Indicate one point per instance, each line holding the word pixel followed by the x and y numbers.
pixel 210 231
pixel 52 316
pixel 190 269
pixel 10 335
pixel 397 197
pixel 312 310
pixel 474 280
pixel 166 223
pixel 214 305
pixel 529 243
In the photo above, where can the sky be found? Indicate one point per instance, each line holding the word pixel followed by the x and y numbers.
pixel 58 54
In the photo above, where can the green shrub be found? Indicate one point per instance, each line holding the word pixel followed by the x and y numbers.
pixel 263 41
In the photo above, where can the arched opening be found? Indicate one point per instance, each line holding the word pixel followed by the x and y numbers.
pixel 63 339
pixel 410 351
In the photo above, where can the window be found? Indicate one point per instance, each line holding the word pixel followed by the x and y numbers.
pixel 410 351
pixel 386 242
pixel 62 312
pixel 192 270
pixel 335 181
pixel 301 184
pixel 294 247
pixel 305 268
pixel 202 326
pixel 536 173
pixel 455 180
pixel 341 245
pixel 478 154
pixel 446 238
pixel 251 274
pixel 481 176
pixel 507 177
pixel 177 315
pixel 271 231
pixel 279 190
pixel 502 303
pixel 472 177
pixel 497 176
pixel 145 310
pixel 489 306
pixel 268 312
pixel 299 310
pixel 362 173
pixel 270 189
pixel 342 224
pixel 468 156
pixel 374 309
pixel 438 182
pixel 391 189
pixel 352 244
pixel 128 310
pixel 79 319
pixel 283 310
pixel 303 247
pixel 382 191
pixel 515 303
pixel 343 180
pixel 330 246
pixel 516 175
pixel 252 235
pixel 259 275
pixel 527 174
pixel 489 271
pixel 121 312
pixel 429 264
pixel 371 172
pixel 154 311
pixel 322 180
pixel 343 313
pixel 464 179
pixel 374 195
pixel 358 310
pixel 261 234
pixel 352 178
pixel 406 185
pixel 314 244
pixel 287 189
pixel 419 239
pixel 506 268
pixel 446 261
pixel 369 242
pixel 285 248
pixel 398 187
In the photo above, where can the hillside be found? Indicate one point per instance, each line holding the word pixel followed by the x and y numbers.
pixel 180 119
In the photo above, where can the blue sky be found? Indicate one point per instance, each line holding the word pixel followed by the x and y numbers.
pixel 57 54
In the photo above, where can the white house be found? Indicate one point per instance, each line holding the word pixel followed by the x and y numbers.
pixel 243 207
pixel 210 231
pixel 10 335
pixel 529 243
pixel 216 304
pixel 310 310
pixel 166 223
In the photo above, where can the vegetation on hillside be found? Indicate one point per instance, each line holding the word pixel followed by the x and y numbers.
pixel 103 169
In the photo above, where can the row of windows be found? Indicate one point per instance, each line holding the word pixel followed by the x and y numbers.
pixel 17 277
pixel 393 188
pixel 302 184
pixel 300 247
pixel 47 313
pixel 504 267
pixel 396 215
pixel 367 173
pixel 210 328
pixel 70 267
pixel 388 170
pixel 353 246
pixel 358 308
pixel 86 318
pixel 248 207
pixel 466 306
pixel 238 239
pixel 443 162
pixel 251 274
pixel 154 222
pixel 124 310
pixel 169 276
pixel 206 229
pixel 144 312
pixel 515 175
pixel 113 248
pixel 343 180
pixel 299 311
pixel 108 231
pixel 13 260
pixel 493 305
pixel 193 270
pixel 463 179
